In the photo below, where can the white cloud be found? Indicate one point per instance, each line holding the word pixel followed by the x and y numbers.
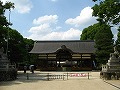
pixel 46 19
pixel 85 18
pixel 41 29
pixel 46 29
pixel 22 6
pixel 71 34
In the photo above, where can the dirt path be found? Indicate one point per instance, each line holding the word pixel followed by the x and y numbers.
pixel 94 83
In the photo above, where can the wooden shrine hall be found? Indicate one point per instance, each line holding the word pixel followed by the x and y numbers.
pixel 67 55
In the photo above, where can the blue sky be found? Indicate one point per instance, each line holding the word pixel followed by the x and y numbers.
pixel 51 19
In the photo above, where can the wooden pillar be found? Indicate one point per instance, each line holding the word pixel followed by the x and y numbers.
pixel 81 61
pixel 78 62
pixel 91 61
pixel 59 63
pixel 56 62
pixel 71 64
pixel 47 60
pixel 71 61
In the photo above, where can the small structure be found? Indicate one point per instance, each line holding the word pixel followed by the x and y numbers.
pixel 7 71
pixel 66 55
pixel 112 69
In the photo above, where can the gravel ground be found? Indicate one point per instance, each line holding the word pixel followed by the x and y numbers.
pixel 38 81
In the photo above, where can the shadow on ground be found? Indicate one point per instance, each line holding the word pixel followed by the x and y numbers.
pixel 26 78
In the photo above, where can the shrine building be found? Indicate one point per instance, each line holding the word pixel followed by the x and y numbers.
pixel 66 55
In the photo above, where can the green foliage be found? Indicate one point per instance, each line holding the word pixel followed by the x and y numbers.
pixel 28 45
pixel 4 23
pixel 89 33
pixel 9 35
pixel 118 40
pixel 3 33
pixel 3 8
pixel 103 37
pixel 18 47
pixel 108 11
pixel 104 43
pixel 9 5
pixel 95 0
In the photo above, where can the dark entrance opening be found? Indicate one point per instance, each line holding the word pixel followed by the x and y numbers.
pixel 64 59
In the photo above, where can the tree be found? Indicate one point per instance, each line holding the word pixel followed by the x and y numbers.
pixel 16 46
pixel 3 37
pixel 19 47
pixel 3 8
pixel 89 32
pixel 4 23
pixel 108 11
pixel 104 44
pixel 118 40
pixel 103 37
pixel 28 43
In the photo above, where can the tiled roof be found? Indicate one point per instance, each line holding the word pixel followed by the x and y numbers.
pixel 76 46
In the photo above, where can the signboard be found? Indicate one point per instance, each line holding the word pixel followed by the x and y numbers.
pixel 78 75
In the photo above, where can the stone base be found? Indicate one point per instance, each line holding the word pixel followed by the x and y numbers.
pixel 8 75
pixel 110 75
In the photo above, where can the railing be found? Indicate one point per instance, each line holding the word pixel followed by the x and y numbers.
pixel 55 76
